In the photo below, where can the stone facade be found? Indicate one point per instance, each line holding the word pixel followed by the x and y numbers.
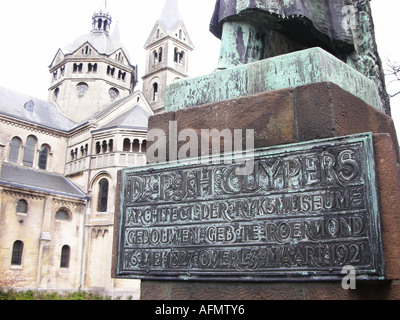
pixel 59 161
pixel 168 48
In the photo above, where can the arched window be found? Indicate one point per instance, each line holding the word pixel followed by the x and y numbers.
pixel 179 56
pixel 98 147
pixel 18 248
pixel 176 55
pixel 63 215
pixel 56 93
pixel 155 91
pixel 127 145
pixel 22 206
pixel 29 153
pixel 104 146
pixel 182 58
pixel 144 146
pixel 155 57
pixel 43 156
pixel 15 148
pixel 136 145
pixel 111 145
pixel 65 254
pixel 160 54
pixel 81 88
pixel 114 93
pixel 103 195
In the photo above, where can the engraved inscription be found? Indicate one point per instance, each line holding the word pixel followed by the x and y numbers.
pixel 304 212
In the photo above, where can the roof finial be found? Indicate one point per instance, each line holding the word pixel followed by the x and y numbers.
pixel 101 21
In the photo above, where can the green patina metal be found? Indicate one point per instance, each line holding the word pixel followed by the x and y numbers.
pixel 306 211
pixel 252 30
pixel 284 71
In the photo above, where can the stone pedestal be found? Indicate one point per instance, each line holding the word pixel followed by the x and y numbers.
pixel 292 99
pixel 309 112
pixel 314 111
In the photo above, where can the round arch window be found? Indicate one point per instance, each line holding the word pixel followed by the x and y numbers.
pixel 82 88
pixel 114 93
pixel 22 206
pixel 56 93
pixel 63 215
pixel 103 195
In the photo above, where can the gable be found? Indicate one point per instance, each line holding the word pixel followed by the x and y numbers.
pixel 179 33
pixel 114 110
pixel 57 58
pixel 156 34
pixel 120 56
pixel 101 43
pixel 135 118
pixel 85 49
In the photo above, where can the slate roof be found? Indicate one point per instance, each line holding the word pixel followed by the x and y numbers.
pixel 135 118
pixel 170 16
pixel 102 42
pixel 36 180
pixel 34 110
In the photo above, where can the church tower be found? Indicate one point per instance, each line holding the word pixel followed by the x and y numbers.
pixel 167 52
pixel 92 71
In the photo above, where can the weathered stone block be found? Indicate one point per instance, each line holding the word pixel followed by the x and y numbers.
pixel 388 180
pixel 315 111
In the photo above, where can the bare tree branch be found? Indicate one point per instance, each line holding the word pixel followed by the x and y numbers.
pixel 393 70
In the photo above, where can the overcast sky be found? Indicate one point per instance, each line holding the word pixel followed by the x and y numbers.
pixel 33 30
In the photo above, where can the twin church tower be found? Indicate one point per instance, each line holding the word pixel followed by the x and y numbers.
pixel 96 69
pixel 59 159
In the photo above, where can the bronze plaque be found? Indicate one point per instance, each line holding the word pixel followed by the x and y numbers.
pixel 303 213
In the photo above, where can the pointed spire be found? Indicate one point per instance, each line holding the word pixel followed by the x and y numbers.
pixel 170 16
pixel 116 33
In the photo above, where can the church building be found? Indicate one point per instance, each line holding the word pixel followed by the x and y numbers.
pixel 59 159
